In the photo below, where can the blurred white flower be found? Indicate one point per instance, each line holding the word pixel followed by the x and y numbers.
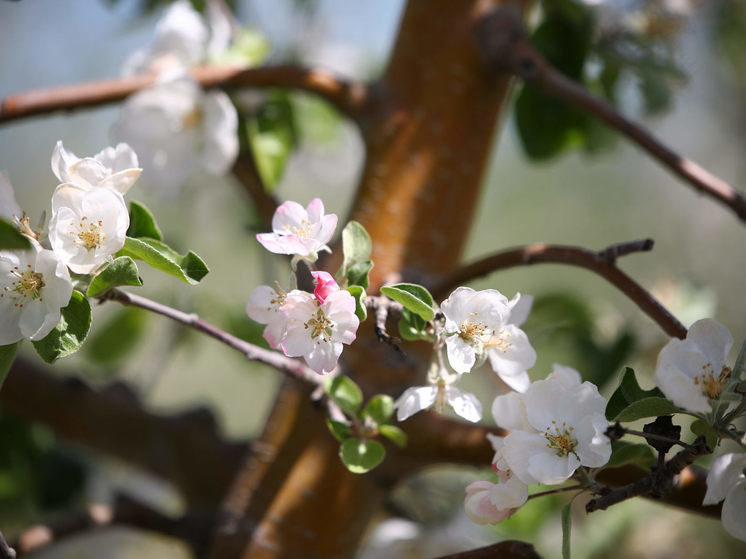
pixel 692 372
pixel 491 503
pixel 176 128
pixel 113 167
pixel 34 285
pixel 300 231
pixel 87 226
pixel 439 395
pixel 726 481
pixel 9 208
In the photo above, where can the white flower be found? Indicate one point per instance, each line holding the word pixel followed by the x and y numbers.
pixel 317 330
pixel 299 231
pixel 34 285
pixel 726 480
pixel 560 427
pixel 176 127
pixel 264 307
pixel 112 167
pixel 87 226
pixel 9 208
pixel 692 372
pixel 439 395
pixel 491 503
pixel 509 351
pixel 473 318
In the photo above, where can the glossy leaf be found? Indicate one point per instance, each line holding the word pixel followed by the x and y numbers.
pixel 647 407
pixel 11 238
pixel 361 456
pixel 142 223
pixel 356 247
pixel 413 297
pixel 379 409
pixel 345 393
pixel 340 431
pixel 189 268
pixel 394 434
pixel 628 392
pixel 359 294
pixel 624 453
pixel 121 271
pixel 70 332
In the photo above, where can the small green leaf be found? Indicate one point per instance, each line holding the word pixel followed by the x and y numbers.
pixel 361 456
pixel 356 247
pixel 623 453
pixel 70 332
pixel 122 271
pixel 627 393
pixel 115 339
pixel 379 409
pixel 248 48
pixel 359 294
pixel 7 355
pixel 411 326
pixel 189 268
pixel 394 434
pixel 272 136
pixel 340 431
pixel 703 429
pixel 11 238
pixel 358 273
pixel 346 394
pixel 566 529
pixel 413 297
pixel 142 223
pixel 647 407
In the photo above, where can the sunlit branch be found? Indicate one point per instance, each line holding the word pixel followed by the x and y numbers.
pixel 506 49
pixel 597 262
pixel 349 97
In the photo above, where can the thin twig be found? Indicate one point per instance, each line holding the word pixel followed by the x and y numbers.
pixel 571 256
pixel 291 367
pixel 511 52
pixel 661 438
pixel 349 97
pixel 558 490
pixel 381 306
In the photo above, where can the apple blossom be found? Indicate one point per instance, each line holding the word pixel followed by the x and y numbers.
pixel 113 167
pixel 559 427
pixel 509 351
pixel 726 481
pixel 491 503
pixel 692 372
pixel 299 231
pixel 473 318
pixel 325 285
pixel 34 285
pixel 176 127
pixel 317 330
pixel 264 307
pixel 438 395
pixel 87 226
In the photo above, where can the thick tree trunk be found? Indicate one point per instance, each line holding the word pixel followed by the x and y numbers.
pixel 429 140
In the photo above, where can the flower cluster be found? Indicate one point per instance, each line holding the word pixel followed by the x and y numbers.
pixel 88 225
pixel 312 325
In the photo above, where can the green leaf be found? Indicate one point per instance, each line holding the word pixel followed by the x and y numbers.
pixel 116 338
pixel 358 273
pixel 566 529
pixel 272 136
pixel 379 409
pixel 627 393
pixel 361 456
pixel 703 429
pixel 11 238
pixel 411 326
pixel 647 407
pixel 345 393
pixel 359 294
pixel 7 355
pixel 340 431
pixel 142 223
pixel 189 268
pixel 413 297
pixel 356 247
pixel 740 365
pixel 70 332
pixel 394 434
pixel 623 453
pixel 122 271
pixel 248 48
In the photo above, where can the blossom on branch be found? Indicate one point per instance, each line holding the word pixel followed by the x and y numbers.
pixel 299 231
pixel 113 167
pixel 491 503
pixel 264 307
pixel 726 482
pixel 439 396
pixel 34 285
pixel 509 351
pixel 325 285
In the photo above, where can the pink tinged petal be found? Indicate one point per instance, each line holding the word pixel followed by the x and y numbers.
pixel 413 400
pixel 274 243
pixel 287 216
pixel 315 210
pixel 725 472
pixel 262 305
pixel 734 511
pixel 8 205
pixel 509 494
pixel 323 356
pixel 520 307
pixel 325 285
pixel 478 505
pixel 326 231
pixel 296 341
pixel 509 412
pixel 461 355
pixel 464 404
pixel 713 339
pixel 220 147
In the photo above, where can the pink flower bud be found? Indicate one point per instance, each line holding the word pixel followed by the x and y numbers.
pixel 325 285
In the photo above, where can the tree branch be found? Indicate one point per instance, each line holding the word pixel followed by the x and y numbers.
pixel 291 367
pixel 597 262
pixel 510 549
pixel 349 97
pixel 6 552
pixel 505 48
pixel 244 169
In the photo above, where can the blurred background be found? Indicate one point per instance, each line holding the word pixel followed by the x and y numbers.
pixel 682 75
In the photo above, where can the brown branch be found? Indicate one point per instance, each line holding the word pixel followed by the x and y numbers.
pixel 511 52
pixel 291 367
pixel 510 549
pixel 381 307
pixel 349 97
pixel 596 262
pixel 179 448
pixel 247 174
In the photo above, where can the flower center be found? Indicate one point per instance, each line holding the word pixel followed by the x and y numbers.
pixel 475 332
pixel 89 235
pixel 278 300
pixel 24 227
pixel 501 341
pixel 320 326
pixel 192 119
pixel 560 438
pixel 303 231
pixel 27 285
pixel 712 386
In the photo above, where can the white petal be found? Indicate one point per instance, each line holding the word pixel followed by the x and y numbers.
pixel 519 447
pixel 464 404
pixel 513 357
pixel 566 376
pixel 509 412
pixel 734 511
pixel 509 494
pixel 547 467
pixel 8 205
pixel 713 339
pixel 414 399
pixel 62 160
pixel 680 388
pixel 287 216
pixel 262 305
pixel 461 355
pixel 725 472
pixel 220 147
pixel 520 307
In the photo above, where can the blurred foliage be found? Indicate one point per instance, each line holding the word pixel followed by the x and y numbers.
pixel 730 34
pixel 115 339
pixel 145 7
